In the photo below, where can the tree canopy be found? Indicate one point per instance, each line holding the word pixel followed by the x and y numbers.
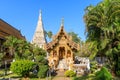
pixel 75 37
pixel 103 30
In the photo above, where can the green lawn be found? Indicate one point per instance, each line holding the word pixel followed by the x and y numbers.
pixel 11 75
pixel 88 77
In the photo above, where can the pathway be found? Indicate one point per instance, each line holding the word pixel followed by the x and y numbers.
pixel 60 76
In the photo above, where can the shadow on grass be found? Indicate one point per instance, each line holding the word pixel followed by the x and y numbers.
pixel 9 76
pixel 85 77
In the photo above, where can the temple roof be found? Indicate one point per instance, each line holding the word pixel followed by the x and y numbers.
pixel 6 30
pixel 55 40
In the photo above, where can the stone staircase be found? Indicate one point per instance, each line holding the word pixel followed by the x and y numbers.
pixel 62 65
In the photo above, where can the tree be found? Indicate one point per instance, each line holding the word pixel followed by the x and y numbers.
pixel 102 29
pixel 11 43
pixel 1 56
pixel 39 57
pixel 85 49
pixel 24 50
pixel 75 37
pixel 49 34
pixel 42 71
pixel 103 74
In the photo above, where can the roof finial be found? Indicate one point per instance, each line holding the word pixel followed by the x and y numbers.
pixel 40 14
pixel 62 22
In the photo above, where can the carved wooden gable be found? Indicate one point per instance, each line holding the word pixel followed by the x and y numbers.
pixel 61 38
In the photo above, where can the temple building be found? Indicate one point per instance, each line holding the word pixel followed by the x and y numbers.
pixel 39 36
pixel 61 50
pixel 8 30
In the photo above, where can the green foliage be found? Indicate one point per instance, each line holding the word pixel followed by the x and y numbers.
pixel 42 71
pixel 70 73
pixel 118 67
pixel 39 52
pixel 1 56
pixel 86 77
pixel 103 74
pixel 22 67
pixel 49 34
pixel 19 49
pixel 75 37
pixel 11 43
pixel 93 66
pixel 93 49
pixel 39 57
pixel 103 26
pixel 118 73
pixel 40 60
pixel 24 50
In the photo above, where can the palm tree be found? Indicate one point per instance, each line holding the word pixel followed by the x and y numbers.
pixel 75 37
pixel 24 50
pixel 49 34
pixel 11 43
pixel 1 57
pixel 103 29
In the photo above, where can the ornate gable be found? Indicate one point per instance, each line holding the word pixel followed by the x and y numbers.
pixel 61 38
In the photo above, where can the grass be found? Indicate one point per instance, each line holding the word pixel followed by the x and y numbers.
pixel 12 75
pixel 90 77
pixel 86 77
pixel 9 75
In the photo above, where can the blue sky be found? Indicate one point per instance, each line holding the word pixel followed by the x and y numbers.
pixel 23 15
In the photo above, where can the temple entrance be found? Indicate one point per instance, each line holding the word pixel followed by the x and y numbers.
pixel 61 52
pixel 62 62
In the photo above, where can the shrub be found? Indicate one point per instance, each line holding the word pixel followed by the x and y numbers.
pixel 42 71
pixel 93 66
pixel 22 67
pixel 117 70
pixel 1 56
pixel 70 73
pixel 103 74
pixel 118 73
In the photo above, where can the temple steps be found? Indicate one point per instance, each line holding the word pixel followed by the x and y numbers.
pixel 62 65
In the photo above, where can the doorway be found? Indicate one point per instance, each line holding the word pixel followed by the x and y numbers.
pixel 61 52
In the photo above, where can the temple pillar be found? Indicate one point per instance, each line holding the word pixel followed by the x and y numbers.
pixel 71 55
pixel 65 53
pixel 51 53
pixel 57 51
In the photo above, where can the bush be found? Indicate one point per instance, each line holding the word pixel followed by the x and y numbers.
pixel 118 73
pixel 93 66
pixel 1 56
pixel 42 71
pixel 117 70
pixel 70 73
pixel 103 74
pixel 22 67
